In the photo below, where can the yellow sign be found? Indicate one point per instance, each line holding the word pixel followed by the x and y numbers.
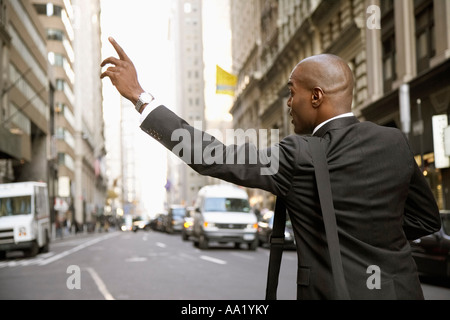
pixel 226 82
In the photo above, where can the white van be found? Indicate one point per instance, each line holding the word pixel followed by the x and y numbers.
pixel 24 218
pixel 223 214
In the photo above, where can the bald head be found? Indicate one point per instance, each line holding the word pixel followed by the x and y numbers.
pixel 330 73
pixel 321 87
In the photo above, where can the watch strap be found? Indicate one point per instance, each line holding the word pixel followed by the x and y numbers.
pixel 142 101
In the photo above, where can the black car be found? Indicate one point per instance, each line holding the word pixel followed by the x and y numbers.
pixel 432 253
pixel 174 219
pixel 265 226
pixel 158 223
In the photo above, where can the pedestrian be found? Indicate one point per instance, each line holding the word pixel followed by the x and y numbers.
pixel 380 196
pixel 58 227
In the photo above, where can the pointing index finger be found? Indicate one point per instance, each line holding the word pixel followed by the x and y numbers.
pixel 119 50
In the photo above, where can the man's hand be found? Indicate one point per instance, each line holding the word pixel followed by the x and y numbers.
pixel 123 74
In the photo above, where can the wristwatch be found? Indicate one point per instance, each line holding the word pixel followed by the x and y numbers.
pixel 144 98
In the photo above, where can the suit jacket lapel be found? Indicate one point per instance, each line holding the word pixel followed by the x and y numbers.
pixel 336 124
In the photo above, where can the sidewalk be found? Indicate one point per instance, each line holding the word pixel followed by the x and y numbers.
pixel 66 235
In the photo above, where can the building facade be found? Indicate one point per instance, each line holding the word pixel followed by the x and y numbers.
pixel 130 192
pixel 90 151
pixel 386 43
pixel 27 149
pixel 56 17
pixel 52 130
pixel 74 53
pixel 25 114
pixel 188 41
pixel 413 49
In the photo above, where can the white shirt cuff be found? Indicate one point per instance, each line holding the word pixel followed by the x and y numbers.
pixel 149 108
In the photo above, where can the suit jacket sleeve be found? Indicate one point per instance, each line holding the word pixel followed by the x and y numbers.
pixel 421 211
pixel 270 169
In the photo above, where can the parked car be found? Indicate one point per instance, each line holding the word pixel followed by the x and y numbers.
pixel 188 224
pixel 174 219
pixel 265 227
pixel 141 223
pixel 432 253
pixel 223 215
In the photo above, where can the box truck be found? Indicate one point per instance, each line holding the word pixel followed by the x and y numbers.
pixel 24 218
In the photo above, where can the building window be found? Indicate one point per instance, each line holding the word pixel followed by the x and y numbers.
pixel 64 135
pixel 386 6
pixel 56 59
pixel 20 123
pixel 55 34
pixel 187 7
pixel 49 9
pixel 389 62
pixel 66 160
pixel 3 13
pixel 41 9
pixel 425 37
pixel 389 53
pixel 60 84
pixel 62 109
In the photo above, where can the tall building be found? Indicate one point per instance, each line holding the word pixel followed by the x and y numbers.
pixel 56 17
pixel 74 52
pixel 90 151
pixel 386 43
pixel 50 129
pixel 188 40
pixel 25 117
pixel 129 171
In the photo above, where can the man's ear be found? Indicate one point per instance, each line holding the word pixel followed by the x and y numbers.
pixel 317 97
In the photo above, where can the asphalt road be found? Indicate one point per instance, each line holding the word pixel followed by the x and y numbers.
pixel 151 266
pixel 142 265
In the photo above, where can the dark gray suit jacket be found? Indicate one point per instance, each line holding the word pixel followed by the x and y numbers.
pixel 380 197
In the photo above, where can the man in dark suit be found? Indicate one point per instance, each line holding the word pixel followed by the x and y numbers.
pixel 380 196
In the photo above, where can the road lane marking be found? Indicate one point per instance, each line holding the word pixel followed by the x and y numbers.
pixel 136 259
pixel 36 260
pixel 27 261
pixel 186 256
pixel 161 245
pixel 100 284
pixel 214 260
pixel 243 256
pixel 75 249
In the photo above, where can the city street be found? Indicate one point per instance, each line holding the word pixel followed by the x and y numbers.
pixel 153 266
pixel 143 265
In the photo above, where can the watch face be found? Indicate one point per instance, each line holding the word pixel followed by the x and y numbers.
pixel 146 98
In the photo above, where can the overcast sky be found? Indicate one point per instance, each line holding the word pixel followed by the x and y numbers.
pixel 141 28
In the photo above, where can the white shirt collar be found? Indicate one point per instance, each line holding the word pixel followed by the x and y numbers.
pixel 344 115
